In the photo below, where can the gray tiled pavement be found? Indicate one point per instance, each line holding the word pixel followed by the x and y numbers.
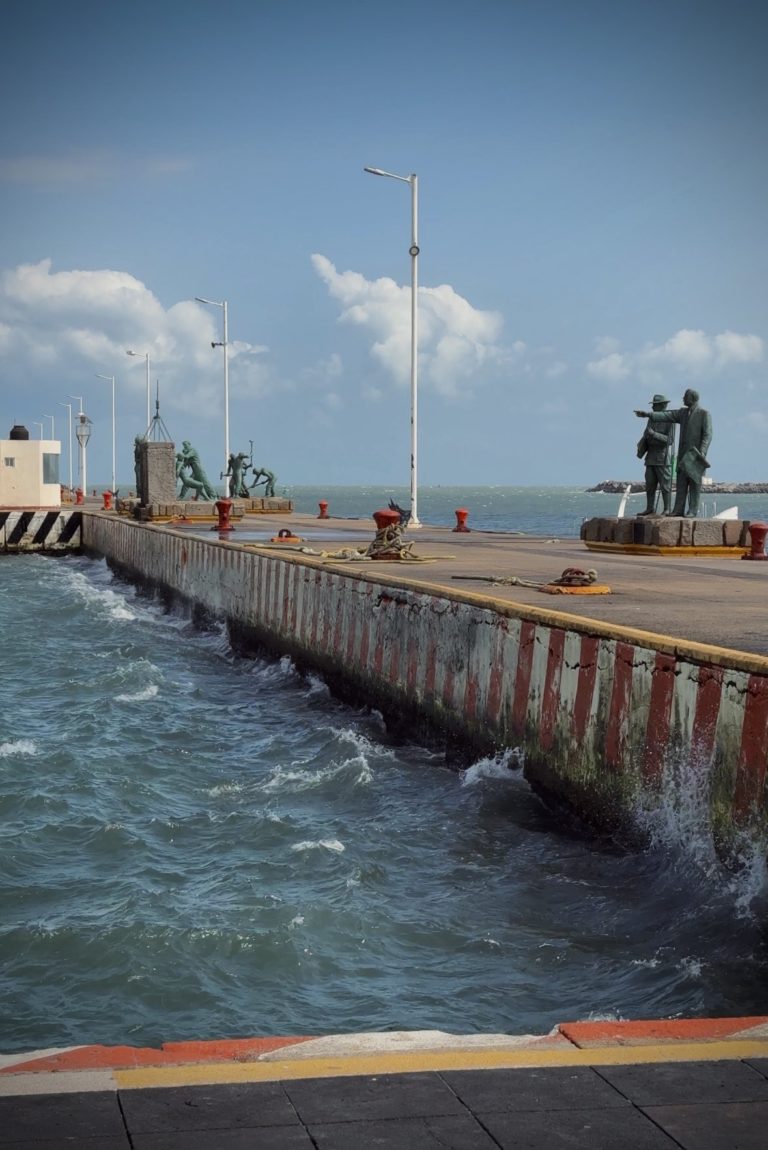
pixel 719 1105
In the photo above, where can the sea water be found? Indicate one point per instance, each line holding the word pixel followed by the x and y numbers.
pixel 199 845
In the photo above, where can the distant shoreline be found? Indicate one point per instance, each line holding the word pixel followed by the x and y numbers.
pixel 618 487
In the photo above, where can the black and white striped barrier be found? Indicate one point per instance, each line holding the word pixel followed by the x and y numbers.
pixel 40 530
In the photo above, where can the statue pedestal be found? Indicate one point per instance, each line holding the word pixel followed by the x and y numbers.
pixel 155 472
pixel 659 535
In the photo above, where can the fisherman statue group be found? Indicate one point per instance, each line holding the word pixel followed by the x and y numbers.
pixel 194 481
pixel 656 447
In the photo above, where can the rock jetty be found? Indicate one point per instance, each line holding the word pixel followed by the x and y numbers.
pixel 619 486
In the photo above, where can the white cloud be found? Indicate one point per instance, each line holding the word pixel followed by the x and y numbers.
pixel 91 318
pixel 610 368
pixel 688 352
pixel 457 341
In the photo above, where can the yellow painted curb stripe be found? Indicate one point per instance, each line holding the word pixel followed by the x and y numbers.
pixel 653 549
pixel 435 1060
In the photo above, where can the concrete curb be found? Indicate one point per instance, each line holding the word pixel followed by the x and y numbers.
pixel 87 1068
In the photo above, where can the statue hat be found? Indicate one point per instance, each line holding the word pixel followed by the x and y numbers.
pixel 659 399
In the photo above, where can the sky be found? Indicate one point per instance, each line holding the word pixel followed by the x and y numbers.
pixel 592 182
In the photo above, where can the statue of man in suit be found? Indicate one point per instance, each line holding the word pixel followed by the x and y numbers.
pixel 695 438
pixel 656 446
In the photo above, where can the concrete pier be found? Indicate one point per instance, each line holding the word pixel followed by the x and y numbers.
pixel 614 703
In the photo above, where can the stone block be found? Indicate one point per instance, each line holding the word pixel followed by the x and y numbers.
pixel 590 530
pixel 642 531
pixel 624 531
pixel 708 533
pixel 665 532
pixel 733 530
pixel 606 530
pixel 686 533
pixel 746 538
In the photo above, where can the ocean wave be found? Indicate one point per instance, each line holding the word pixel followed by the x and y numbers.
pixel 334 845
pixel 504 766
pixel 18 747
pixel 138 696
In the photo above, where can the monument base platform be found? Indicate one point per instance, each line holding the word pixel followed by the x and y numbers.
pixel 200 509
pixel 661 535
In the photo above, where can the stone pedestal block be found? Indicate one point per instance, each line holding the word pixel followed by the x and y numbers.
pixel 686 533
pixel 156 472
pixel 707 532
pixel 665 532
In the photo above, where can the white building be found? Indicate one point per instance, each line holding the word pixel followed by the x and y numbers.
pixel 29 472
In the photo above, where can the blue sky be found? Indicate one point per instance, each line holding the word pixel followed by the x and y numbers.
pixel 592 183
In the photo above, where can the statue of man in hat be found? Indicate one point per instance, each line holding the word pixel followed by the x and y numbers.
pixel 695 438
pixel 656 446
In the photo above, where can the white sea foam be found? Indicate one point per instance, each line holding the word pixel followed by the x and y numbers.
pixel 18 747
pixel 102 598
pixel 680 820
pixel 138 696
pixel 224 789
pixel 333 845
pixel 503 766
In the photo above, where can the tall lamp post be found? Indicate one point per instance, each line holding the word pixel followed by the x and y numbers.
pixel 83 433
pixel 37 423
pixel 53 425
pixel 145 354
pixel 111 378
pixel 79 399
pixel 69 440
pixel 414 254
pixel 223 344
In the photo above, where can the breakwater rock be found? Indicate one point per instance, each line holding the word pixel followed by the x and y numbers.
pixel 619 486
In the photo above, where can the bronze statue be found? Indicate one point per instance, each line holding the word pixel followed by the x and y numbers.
pixel 657 445
pixel 695 438
pixel 236 470
pixel 268 478
pixel 189 471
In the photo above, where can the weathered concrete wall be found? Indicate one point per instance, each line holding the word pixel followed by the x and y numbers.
pixel 40 530
pixel 601 712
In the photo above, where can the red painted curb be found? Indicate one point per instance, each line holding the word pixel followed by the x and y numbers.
pixel 665 1030
pixel 169 1054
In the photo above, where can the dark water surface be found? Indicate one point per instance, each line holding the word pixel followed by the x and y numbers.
pixel 196 845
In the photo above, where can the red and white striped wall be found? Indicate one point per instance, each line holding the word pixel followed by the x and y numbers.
pixel 602 713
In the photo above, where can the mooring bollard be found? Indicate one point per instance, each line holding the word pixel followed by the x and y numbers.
pixel 107 498
pixel 223 510
pixel 79 495
pixel 461 520
pixel 323 505
pixel 386 518
pixel 757 534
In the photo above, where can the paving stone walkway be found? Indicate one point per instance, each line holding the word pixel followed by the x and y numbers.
pixel 701 1105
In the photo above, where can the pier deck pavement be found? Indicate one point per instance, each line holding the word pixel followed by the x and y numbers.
pixel 697 1085
pixel 717 601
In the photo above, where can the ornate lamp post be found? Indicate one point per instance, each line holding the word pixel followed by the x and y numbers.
pixel 83 433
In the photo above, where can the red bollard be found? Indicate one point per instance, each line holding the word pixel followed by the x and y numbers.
pixel 461 520
pixel 757 534
pixel 323 505
pixel 386 518
pixel 107 498
pixel 79 495
pixel 223 510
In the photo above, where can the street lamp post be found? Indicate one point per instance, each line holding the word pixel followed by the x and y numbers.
pixel 145 354
pixel 414 254
pixel 112 380
pixel 83 433
pixel 53 425
pixel 223 343
pixel 37 423
pixel 69 440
